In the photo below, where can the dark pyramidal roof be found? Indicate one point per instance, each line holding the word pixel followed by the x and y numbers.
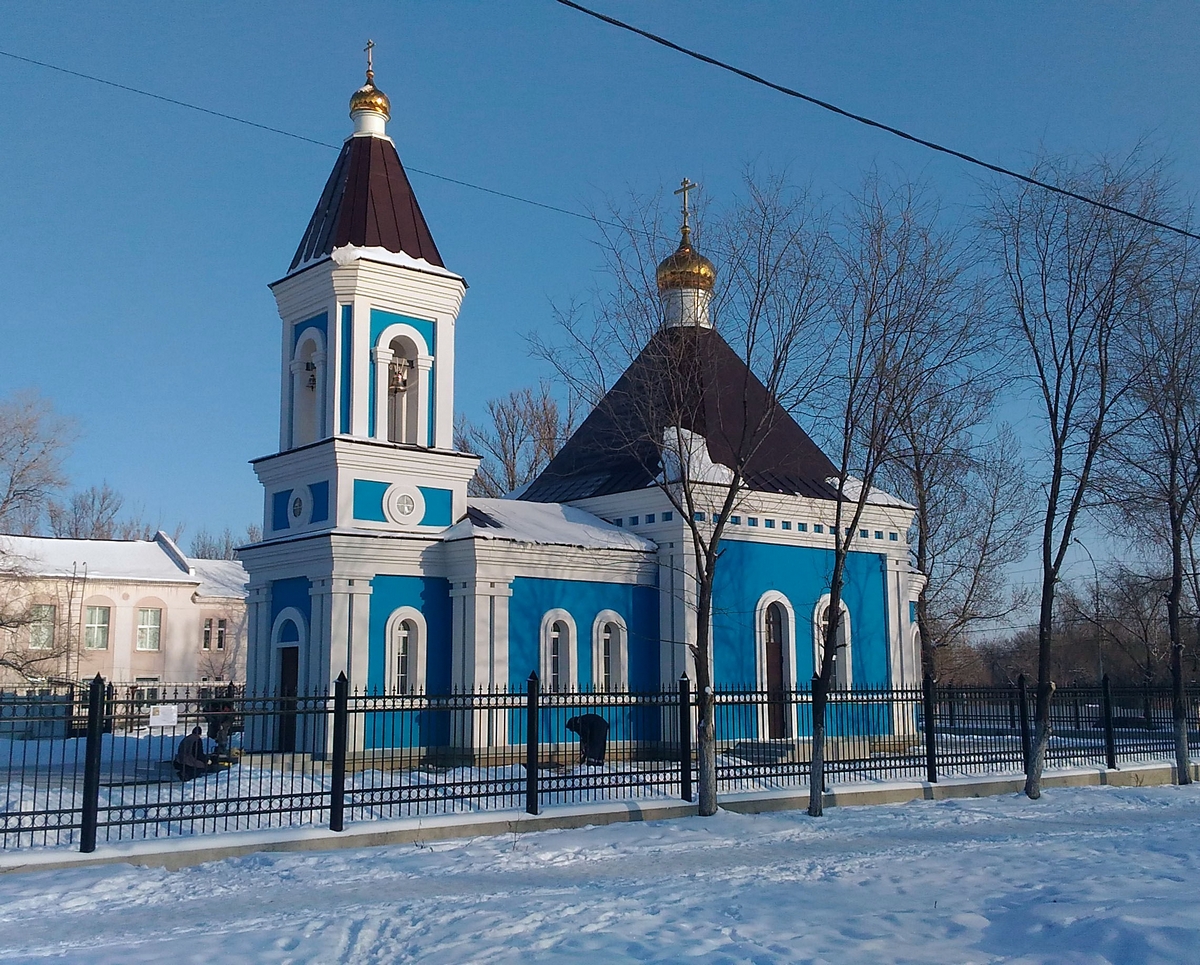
pixel 714 394
pixel 367 202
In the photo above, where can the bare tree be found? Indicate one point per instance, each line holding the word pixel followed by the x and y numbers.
pixel 223 545
pixel 95 513
pixel 1153 466
pixel 39 617
pixel 523 432
pixel 906 343
pixel 1074 276
pixel 33 443
pixel 700 412
pixel 224 662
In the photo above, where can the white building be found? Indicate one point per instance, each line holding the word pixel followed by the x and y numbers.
pixel 129 610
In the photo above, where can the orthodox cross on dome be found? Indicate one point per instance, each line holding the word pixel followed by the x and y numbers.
pixel 370 69
pixel 684 187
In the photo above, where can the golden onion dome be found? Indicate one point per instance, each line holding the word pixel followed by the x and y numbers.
pixel 686 268
pixel 370 98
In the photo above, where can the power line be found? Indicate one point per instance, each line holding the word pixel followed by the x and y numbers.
pixel 833 108
pixel 278 130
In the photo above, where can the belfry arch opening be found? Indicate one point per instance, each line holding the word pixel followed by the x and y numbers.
pixel 404 392
pixel 308 389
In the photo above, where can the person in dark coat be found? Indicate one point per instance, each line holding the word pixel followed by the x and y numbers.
pixel 190 759
pixel 221 715
pixel 593 737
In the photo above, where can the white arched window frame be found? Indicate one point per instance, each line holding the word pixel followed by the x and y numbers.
pixel 789 653
pixel 844 669
pixel 290 615
pixel 418 640
pixel 382 356
pixel 611 624
pixel 567 650
pixel 308 388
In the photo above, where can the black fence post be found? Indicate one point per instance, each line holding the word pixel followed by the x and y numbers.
pixel 685 738
pixel 1023 707
pixel 91 766
pixel 337 779
pixel 930 731
pixel 1110 742
pixel 531 746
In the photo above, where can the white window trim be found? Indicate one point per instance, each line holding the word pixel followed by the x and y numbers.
pixel 620 653
pixel 107 626
pixel 818 641
pixel 381 357
pixel 36 624
pixel 317 356
pixel 416 653
pixel 789 656
pixel 137 643
pixel 569 672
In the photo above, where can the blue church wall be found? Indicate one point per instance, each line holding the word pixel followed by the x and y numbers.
pixel 320 501
pixel 291 593
pixel 368 503
pixel 380 320
pixel 279 509
pixel 430 595
pixel 532 597
pixel 748 570
pixel 319 322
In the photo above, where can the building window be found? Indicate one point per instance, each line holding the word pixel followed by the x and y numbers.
pixel 610 658
pixel 206 639
pixel 862 533
pixel 786 524
pixel 698 517
pixel 803 527
pixel 405 634
pixel 735 520
pixel 894 537
pixel 220 634
pixel 149 631
pixel 842 676
pixel 649 517
pixel 41 626
pixel 95 631
pixel 769 523
pixel 751 520
pixel 668 516
pixel 618 521
pixel 633 520
pixel 879 534
pixel 558 651
pixel 818 528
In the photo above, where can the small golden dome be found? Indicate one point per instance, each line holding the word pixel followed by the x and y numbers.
pixel 686 268
pixel 370 98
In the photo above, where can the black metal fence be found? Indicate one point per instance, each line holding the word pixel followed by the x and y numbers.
pixel 94 763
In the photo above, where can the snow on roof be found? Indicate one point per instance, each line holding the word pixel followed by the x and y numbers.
pixel 221 578
pixel 553 524
pixel 103 559
pixel 876 497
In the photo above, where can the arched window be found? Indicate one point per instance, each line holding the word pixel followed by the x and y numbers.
pixel 406 645
pixel 775 644
pixel 404 392
pixel 558 660
pixel 610 652
pixel 842 678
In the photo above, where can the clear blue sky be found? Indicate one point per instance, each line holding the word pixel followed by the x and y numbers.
pixel 140 237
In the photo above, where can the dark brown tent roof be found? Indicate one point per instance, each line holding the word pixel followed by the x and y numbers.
pixel 712 393
pixel 367 202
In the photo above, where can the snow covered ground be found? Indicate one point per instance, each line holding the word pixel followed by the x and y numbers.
pixel 1086 875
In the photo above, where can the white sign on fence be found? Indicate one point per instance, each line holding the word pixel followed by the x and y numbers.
pixel 164 715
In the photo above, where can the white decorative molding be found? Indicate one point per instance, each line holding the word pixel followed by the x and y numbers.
pixel 417 653
pixel 619 650
pixel 404 505
pixel 568 655
pixel 789 656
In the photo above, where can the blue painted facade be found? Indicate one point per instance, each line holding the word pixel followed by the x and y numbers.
pixel 291 593
pixel 747 570
pixel 533 597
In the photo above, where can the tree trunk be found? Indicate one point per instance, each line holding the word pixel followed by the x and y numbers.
pixel 816 774
pixel 706 731
pixel 1183 766
pixel 1045 688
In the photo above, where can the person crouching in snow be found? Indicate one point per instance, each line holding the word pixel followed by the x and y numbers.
pixel 190 759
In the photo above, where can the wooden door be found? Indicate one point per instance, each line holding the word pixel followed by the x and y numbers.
pixel 776 695
pixel 289 685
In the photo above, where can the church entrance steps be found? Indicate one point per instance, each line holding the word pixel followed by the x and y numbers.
pixel 182 852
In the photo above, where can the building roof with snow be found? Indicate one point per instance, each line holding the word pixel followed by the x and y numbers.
pixel 551 524
pixel 117 560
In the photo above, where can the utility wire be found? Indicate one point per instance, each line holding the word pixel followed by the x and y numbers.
pixel 277 130
pixel 833 108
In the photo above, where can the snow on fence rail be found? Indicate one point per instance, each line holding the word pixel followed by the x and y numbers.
pixel 89 763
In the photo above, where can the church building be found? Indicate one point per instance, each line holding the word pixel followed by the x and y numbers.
pixel 375 562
